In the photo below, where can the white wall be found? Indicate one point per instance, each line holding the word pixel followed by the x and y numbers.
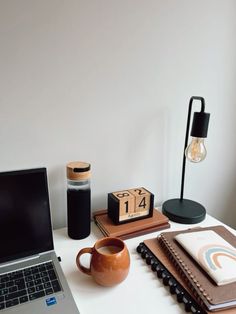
pixel 109 82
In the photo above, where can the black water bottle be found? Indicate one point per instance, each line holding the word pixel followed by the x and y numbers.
pixel 78 199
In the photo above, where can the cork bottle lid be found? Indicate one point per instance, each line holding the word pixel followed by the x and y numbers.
pixel 78 170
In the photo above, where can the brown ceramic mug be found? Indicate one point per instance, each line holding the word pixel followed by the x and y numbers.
pixel 110 261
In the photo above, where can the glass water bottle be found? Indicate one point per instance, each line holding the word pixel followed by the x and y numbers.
pixel 78 199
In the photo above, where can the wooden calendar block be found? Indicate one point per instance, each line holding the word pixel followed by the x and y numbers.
pixel 142 199
pixel 126 202
pixel 129 205
pixel 120 205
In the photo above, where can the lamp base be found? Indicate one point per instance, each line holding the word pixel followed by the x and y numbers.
pixel 184 211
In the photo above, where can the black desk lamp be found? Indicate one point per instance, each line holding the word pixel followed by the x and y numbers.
pixel 179 209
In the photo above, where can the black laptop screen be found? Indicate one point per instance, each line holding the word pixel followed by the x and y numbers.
pixel 25 224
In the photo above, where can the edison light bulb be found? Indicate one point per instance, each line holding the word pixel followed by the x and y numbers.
pixel 196 151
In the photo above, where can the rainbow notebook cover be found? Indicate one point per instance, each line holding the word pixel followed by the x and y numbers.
pixel 215 255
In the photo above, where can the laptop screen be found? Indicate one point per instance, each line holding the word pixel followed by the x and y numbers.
pixel 25 223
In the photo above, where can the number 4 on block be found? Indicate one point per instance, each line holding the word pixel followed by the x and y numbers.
pixel 142 199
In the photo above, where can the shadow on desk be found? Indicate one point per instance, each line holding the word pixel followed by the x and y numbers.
pixel 86 284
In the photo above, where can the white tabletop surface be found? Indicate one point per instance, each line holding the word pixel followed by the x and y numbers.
pixel 141 292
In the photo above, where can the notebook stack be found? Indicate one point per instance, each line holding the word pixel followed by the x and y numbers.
pixel 130 229
pixel 173 259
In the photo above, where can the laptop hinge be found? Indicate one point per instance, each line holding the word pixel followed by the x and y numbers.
pixel 24 259
pixel 15 262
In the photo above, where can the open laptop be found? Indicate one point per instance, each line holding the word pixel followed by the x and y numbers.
pixel 31 278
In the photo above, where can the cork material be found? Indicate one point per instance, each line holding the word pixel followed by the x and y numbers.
pixel 78 170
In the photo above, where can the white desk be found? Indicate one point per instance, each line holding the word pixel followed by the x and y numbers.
pixel 141 292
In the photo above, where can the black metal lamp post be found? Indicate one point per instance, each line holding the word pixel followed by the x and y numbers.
pixel 184 210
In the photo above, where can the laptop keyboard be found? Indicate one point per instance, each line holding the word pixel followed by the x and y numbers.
pixel 28 284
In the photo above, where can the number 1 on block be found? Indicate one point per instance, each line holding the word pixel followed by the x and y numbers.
pixel 126 202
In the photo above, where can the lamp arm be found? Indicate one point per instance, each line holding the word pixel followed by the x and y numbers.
pixel 186 137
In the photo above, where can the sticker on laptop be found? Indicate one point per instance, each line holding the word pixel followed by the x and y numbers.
pixel 51 301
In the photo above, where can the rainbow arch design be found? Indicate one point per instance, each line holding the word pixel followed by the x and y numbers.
pixel 209 255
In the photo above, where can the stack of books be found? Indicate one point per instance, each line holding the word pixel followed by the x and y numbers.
pixel 130 229
pixel 198 265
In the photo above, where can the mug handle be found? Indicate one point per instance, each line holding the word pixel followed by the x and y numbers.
pixel 81 267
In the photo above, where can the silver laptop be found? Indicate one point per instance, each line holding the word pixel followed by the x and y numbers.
pixel 31 278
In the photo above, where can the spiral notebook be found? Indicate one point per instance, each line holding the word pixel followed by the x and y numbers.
pixel 205 290
pixel 151 251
